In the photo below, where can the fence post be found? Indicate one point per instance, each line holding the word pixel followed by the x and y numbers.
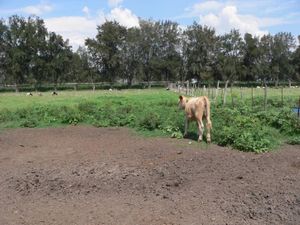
pixel 282 96
pixel 252 96
pixel 225 92
pixel 232 100
pixel 241 90
pixel 217 90
pixel 187 88
pixel 265 97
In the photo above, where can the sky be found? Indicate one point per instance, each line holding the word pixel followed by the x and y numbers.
pixel 77 20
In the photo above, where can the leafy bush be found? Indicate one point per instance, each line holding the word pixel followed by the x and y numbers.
pixel 295 140
pixel 150 121
pixel 29 123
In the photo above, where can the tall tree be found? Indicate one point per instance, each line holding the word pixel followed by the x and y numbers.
pixel 251 56
pixel 296 62
pixel 169 50
pixel 131 59
pixel 3 51
pixel 17 59
pixel 282 56
pixel 200 44
pixel 58 56
pixel 228 65
pixel 35 36
pixel 149 49
pixel 106 48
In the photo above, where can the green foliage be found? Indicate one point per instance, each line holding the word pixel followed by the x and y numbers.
pixel 249 130
pixel 29 122
pixel 294 140
pixel 150 121
pixel 156 113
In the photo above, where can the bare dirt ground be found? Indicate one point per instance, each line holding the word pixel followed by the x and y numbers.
pixel 91 176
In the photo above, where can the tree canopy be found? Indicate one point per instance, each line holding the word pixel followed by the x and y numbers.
pixel 156 50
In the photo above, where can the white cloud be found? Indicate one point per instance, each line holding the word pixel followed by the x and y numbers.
pixel 124 16
pixel 70 29
pixel 243 15
pixel 86 11
pixel 204 7
pixel 228 18
pixel 225 17
pixel 114 3
pixel 79 28
pixel 37 9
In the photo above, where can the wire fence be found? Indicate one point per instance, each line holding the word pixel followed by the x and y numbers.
pixel 233 95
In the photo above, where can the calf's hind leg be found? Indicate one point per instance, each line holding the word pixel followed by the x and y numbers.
pixel 200 130
pixel 208 128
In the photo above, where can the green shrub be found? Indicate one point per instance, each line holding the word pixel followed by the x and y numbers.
pixel 29 122
pixel 295 140
pixel 150 121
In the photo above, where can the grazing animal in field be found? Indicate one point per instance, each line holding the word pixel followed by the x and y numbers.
pixel 54 93
pixel 197 108
pixel 40 94
pixel 29 94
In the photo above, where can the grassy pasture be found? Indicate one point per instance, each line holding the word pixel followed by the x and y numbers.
pixel 155 112
pixel 13 101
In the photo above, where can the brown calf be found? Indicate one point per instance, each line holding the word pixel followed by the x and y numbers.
pixel 195 109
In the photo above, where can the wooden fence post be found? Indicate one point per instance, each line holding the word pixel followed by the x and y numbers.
pixel 252 96
pixel 232 100
pixel 282 96
pixel 265 97
pixel 225 92
pixel 241 90
pixel 217 90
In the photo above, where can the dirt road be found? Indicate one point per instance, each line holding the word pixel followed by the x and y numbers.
pixel 92 176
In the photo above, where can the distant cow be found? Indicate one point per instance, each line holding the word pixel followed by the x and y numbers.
pixel 195 109
pixel 54 93
pixel 29 94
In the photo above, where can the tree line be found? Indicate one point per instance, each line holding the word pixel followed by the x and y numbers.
pixel 156 50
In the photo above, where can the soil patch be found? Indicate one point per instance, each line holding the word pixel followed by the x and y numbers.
pixel 91 176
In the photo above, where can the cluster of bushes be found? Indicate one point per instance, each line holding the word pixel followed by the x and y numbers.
pixel 242 127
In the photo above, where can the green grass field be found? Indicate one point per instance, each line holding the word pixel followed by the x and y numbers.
pixel 155 113
pixel 20 100
pixel 13 101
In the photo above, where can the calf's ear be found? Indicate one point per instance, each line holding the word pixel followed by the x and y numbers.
pixel 180 97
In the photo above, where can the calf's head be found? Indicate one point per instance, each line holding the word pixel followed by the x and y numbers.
pixel 182 102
